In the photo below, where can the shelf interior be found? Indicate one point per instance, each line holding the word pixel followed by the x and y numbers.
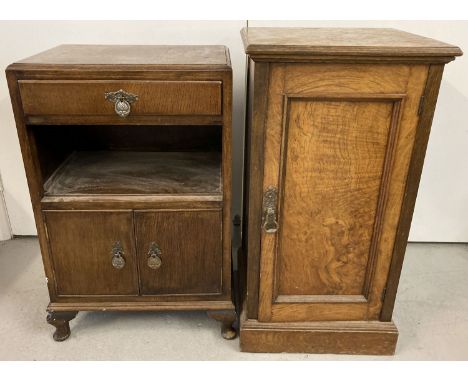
pixel 136 172
pixel 151 160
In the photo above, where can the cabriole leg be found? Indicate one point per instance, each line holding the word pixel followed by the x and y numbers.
pixel 61 322
pixel 227 319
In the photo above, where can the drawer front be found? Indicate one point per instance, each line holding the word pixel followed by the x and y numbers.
pixel 179 252
pixel 87 98
pixel 84 254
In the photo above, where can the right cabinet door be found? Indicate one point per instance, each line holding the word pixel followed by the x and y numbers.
pixel 338 141
pixel 179 252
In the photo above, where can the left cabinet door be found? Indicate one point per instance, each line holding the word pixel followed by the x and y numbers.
pixel 92 252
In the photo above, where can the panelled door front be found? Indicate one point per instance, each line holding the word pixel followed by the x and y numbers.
pixel 338 142
pixel 179 252
pixel 93 252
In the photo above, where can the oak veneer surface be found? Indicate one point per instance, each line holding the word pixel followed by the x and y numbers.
pixel 331 150
pixel 330 195
pixel 345 337
pixel 349 41
pixel 81 244
pixel 129 172
pixel 190 243
pixel 200 56
pixel 167 161
pixel 337 124
pixel 154 97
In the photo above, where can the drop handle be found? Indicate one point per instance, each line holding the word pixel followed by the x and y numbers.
pixel 154 256
pixel 118 260
pixel 270 223
pixel 122 101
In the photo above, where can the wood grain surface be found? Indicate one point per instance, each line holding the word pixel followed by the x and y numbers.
pixel 413 177
pixel 191 251
pixel 253 174
pixel 61 97
pixel 184 111
pixel 355 42
pixel 200 56
pixel 344 337
pixel 331 187
pixel 129 172
pixel 339 128
pixel 81 246
pixel 338 147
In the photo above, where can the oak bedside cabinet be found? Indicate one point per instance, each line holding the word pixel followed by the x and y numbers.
pixel 337 127
pixel 127 151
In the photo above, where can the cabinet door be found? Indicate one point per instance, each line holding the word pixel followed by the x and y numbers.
pixel 84 246
pixel 179 252
pixel 336 153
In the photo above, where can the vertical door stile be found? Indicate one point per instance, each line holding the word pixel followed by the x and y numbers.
pixel 272 155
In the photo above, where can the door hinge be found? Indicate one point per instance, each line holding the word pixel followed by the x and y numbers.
pixel 421 105
pixel 384 292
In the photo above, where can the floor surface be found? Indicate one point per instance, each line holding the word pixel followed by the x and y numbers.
pixel 431 313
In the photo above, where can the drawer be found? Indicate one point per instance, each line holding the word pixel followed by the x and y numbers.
pixel 88 98
pixel 86 259
pixel 179 252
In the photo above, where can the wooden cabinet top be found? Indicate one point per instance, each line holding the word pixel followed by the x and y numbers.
pixel 344 42
pixel 184 56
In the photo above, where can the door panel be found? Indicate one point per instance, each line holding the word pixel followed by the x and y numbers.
pixel 190 245
pixel 337 150
pixel 330 191
pixel 81 244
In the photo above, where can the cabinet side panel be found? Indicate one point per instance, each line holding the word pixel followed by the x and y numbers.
pixel 396 186
pixel 33 176
pixel 431 92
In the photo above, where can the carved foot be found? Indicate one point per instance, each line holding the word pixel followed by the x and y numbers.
pixel 61 322
pixel 227 319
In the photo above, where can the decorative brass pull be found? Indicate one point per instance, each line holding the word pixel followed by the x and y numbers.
pixel 118 261
pixel 122 101
pixel 270 224
pixel 154 259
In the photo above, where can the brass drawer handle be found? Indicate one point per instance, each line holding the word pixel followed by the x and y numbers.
pixel 122 101
pixel 154 256
pixel 118 261
pixel 270 224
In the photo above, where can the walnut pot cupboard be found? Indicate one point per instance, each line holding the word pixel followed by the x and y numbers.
pixel 337 126
pixel 127 151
